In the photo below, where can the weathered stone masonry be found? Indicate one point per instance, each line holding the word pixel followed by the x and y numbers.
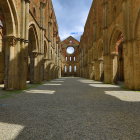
pixel 110 45
pixel 70 58
pixel 29 43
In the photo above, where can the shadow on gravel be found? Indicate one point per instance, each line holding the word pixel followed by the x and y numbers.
pixel 71 110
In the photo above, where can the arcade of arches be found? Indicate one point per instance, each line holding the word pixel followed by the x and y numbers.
pixel 110 44
pixel 31 50
pixel 29 43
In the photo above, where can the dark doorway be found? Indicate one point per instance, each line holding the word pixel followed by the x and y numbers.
pixel 120 74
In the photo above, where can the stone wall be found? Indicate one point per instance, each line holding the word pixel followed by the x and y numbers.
pixel 30 43
pixel 110 46
pixel 70 61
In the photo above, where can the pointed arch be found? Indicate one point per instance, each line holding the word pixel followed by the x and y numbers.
pixel 117 56
pixel 116 38
pixel 10 16
pixel 32 28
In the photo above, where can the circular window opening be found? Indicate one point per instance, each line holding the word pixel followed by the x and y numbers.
pixel 70 50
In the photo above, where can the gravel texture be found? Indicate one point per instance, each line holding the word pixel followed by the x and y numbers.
pixel 71 109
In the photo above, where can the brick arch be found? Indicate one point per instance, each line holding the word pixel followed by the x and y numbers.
pixel 116 38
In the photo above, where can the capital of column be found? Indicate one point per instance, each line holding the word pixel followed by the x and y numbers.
pixel 113 54
pixel 11 40
pixel 45 59
pixel 100 59
pixel 35 54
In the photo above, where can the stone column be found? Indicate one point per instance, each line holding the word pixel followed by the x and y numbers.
pixel 27 7
pixel 107 68
pixel 45 68
pixel 42 17
pixel 114 67
pixel 35 68
pixel 23 56
pixel 10 63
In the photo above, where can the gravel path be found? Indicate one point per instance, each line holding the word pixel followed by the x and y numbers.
pixel 71 109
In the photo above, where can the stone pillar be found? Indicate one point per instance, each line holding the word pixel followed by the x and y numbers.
pixel 136 62
pixel 101 68
pixel 96 69
pixel 45 69
pixel 10 63
pixel 107 69
pixel 23 56
pixel 51 72
pixel 114 67
pixel 129 65
pixel 27 7
pixel 42 15
pixel 35 68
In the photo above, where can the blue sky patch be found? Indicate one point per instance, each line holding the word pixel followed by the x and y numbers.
pixel 71 16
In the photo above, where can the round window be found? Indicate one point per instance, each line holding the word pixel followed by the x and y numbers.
pixel 70 50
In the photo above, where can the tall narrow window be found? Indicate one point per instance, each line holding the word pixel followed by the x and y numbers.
pixel 66 58
pixel 74 58
pixel 75 68
pixel 65 69
pixel 70 68
pixel 70 58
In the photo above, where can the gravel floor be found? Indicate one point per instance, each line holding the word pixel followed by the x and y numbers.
pixel 71 109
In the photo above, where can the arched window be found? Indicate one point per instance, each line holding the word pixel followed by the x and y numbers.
pixel 66 58
pixel 74 58
pixel 65 69
pixel 70 58
pixel 70 68
pixel 75 68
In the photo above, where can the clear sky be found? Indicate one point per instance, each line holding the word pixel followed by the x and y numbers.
pixel 71 16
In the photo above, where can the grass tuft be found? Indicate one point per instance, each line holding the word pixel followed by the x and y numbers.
pixel 7 94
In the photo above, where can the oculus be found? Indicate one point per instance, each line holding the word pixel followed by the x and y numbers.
pixel 70 50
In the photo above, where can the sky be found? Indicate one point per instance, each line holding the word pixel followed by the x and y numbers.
pixel 71 16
